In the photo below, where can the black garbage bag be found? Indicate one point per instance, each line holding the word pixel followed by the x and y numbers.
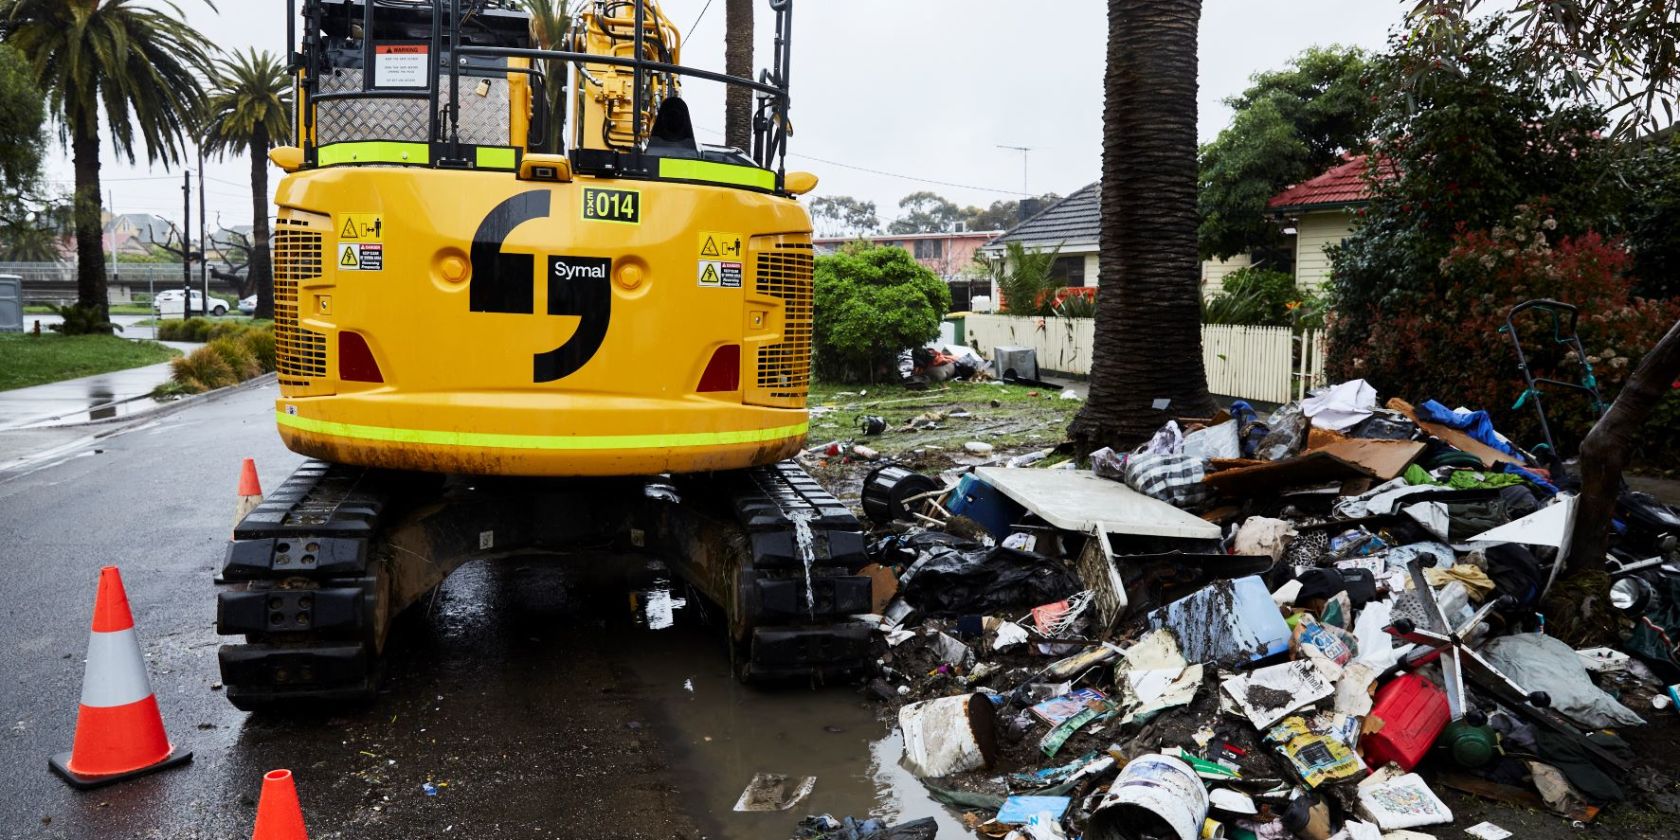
pixel 948 581
pixel 1515 572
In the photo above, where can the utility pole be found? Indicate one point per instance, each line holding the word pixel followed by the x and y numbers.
pixel 1025 152
pixel 186 244
pixel 203 239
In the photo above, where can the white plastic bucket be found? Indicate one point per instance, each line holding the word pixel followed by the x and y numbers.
pixel 949 735
pixel 1153 792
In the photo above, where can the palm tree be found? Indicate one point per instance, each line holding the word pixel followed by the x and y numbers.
pixel 249 110
pixel 550 23
pixel 1148 343
pixel 139 66
pixel 738 61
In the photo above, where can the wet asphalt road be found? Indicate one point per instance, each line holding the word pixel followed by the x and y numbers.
pixel 533 694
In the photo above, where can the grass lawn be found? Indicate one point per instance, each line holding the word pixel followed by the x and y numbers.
pixel 1022 417
pixel 35 360
pixel 116 309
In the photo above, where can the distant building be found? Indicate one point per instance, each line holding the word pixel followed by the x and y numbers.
pixel 1071 224
pixel 1074 224
pixel 1320 212
pixel 949 255
pixel 134 233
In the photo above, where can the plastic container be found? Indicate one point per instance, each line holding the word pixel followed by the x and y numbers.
pixel 1413 711
pixel 1154 795
pixel 986 505
pixel 949 735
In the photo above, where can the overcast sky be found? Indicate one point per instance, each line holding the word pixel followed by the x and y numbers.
pixel 921 88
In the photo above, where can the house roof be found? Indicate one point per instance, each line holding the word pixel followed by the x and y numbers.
pixel 1072 223
pixel 1339 186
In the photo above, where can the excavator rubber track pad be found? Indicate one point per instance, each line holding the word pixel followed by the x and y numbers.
pixel 274 678
pixel 319 499
pixel 835 651
pixel 780 500
pixel 302 593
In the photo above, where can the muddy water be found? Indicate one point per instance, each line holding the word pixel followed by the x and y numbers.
pixel 722 733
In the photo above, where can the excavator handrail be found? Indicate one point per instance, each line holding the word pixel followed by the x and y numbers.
pixel 616 61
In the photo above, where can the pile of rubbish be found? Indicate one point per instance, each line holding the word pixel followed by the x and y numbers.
pixel 1298 626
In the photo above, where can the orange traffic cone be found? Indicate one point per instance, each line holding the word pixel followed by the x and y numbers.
pixel 119 730
pixel 250 491
pixel 279 817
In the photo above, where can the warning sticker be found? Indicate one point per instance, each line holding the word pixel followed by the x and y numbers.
pixel 719 274
pixel 399 65
pixel 719 245
pixel 360 227
pixel 361 257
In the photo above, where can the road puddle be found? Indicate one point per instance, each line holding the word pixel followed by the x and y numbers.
pixel 723 733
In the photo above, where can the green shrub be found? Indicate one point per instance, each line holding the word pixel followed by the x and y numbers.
pixel 238 356
pixel 872 302
pixel 1453 350
pixel 201 370
pixel 81 320
pixel 1022 277
pixel 260 341
pixel 1255 297
pixel 226 329
pixel 192 329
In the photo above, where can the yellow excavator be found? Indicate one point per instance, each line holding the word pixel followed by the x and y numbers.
pixel 504 327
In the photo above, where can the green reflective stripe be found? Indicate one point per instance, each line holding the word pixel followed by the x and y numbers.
pixel 722 173
pixel 374 151
pixel 486 440
pixel 491 157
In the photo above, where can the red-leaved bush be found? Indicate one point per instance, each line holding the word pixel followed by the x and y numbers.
pixel 1454 350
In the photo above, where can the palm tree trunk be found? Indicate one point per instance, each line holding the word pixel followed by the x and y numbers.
pixel 738 61
pixel 90 247
pixel 1148 343
pixel 261 271
pixel 1605 451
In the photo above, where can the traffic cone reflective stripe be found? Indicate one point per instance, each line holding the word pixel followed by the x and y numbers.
pixel 119 730
pixel 279 816
pixel 250 491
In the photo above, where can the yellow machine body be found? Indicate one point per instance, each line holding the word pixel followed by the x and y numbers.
pixel 473 307
pixel 702 269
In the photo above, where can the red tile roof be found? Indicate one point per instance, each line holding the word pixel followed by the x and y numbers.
pixel 1342 184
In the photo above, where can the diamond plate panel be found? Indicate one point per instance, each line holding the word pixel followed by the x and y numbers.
pixel 484 119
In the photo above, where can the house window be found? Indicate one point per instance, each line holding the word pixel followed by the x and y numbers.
pixel 1068 271
pixel 930 249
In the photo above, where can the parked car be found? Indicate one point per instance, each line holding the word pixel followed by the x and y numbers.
pixel 167 304
pixel 248 305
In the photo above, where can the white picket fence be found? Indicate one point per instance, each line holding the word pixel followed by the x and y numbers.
pixel 1271 364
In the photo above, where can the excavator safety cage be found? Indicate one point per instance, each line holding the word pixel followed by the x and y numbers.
pixel 444 146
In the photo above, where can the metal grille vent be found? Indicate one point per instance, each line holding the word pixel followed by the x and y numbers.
pixel 299 353
pixel 784 369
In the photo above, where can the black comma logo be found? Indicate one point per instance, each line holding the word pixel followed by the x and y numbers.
pixel 577 286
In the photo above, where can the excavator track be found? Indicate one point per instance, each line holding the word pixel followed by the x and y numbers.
pixel 315 574
pixel 303 591
pixel 791 583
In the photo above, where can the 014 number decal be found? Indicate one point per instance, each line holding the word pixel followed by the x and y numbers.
pixel 604 205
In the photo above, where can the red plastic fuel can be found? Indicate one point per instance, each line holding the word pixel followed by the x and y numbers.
pixel 1413 711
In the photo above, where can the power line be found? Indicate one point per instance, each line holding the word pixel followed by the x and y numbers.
pixel 698 18
pixel 907 177
pixel 711 130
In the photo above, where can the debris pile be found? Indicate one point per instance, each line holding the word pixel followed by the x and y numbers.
pixel 1303 626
